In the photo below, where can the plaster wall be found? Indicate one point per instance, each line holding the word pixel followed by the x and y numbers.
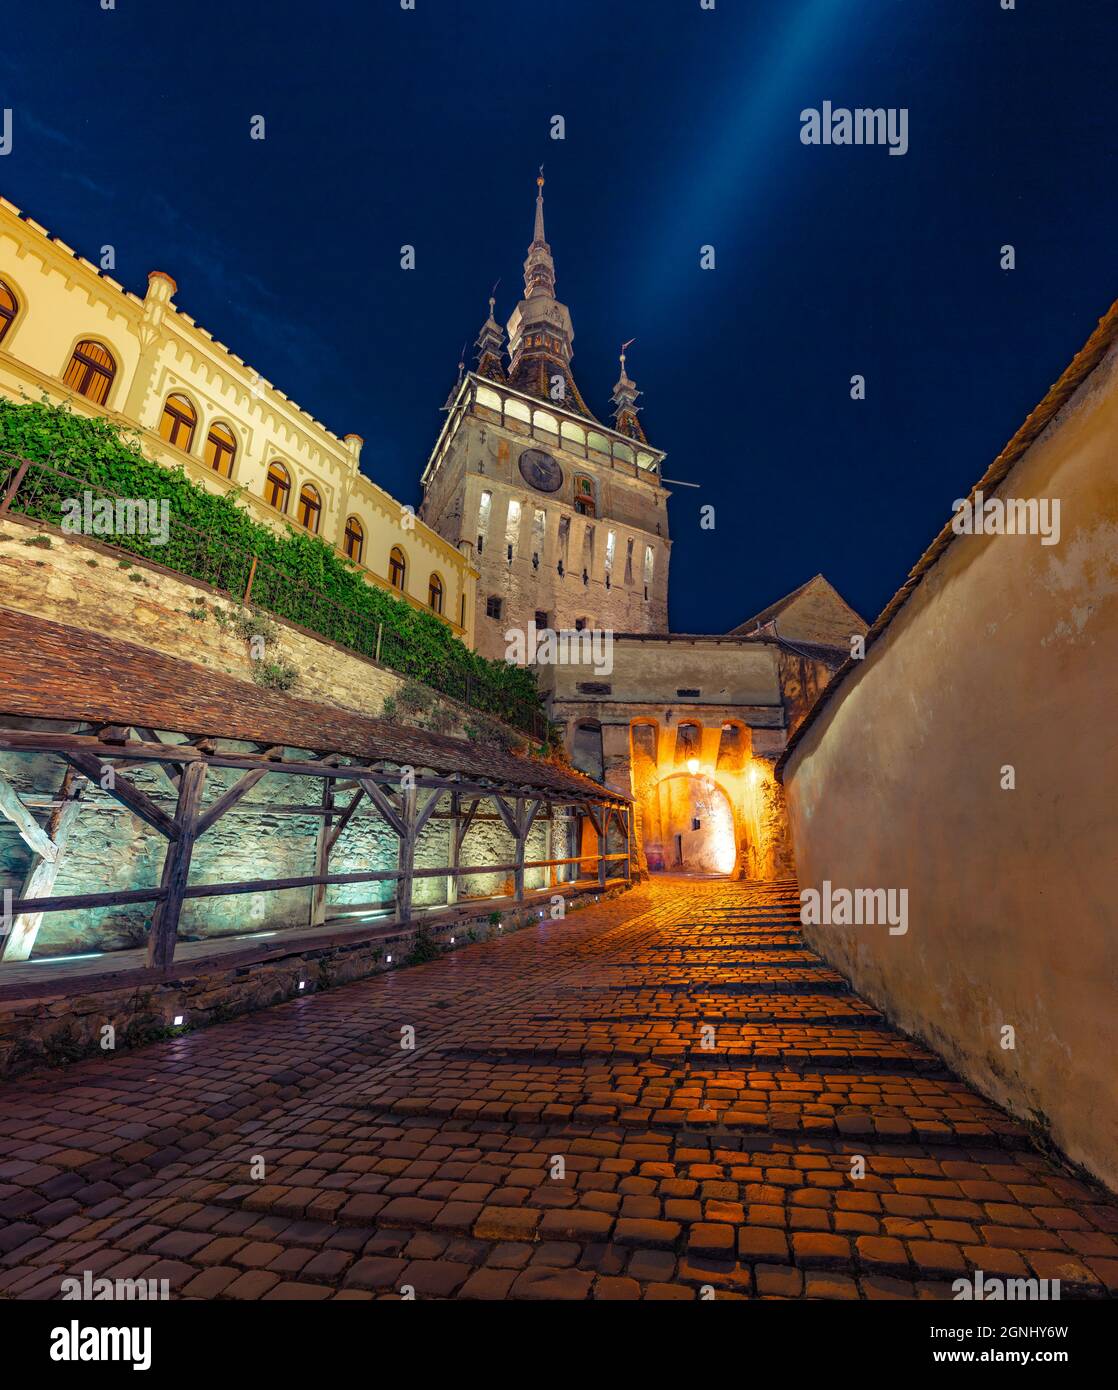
pixel 1004 657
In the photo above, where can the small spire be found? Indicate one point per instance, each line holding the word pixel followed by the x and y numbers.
pixel 449 404
pixel 538 235
pixel 539 268
pixel 624 399
pixel 491 344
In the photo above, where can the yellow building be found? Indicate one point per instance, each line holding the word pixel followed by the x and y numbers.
pixel 71 332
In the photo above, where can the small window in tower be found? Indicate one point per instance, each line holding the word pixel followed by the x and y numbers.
pixel 629 562
pixel 581 624
pixel 584 497
pixel 573 436
pixel 512 529
pixel 539 530
pixel 611 546
pixel 540 619
pixel 493 606
pixel 485 506
pixel 649 559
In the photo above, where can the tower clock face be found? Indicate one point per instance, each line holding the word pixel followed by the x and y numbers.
pixel 540 470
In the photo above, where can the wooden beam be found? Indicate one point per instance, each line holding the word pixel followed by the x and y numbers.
pixel 323 844
pixel 176 868
pixel 23 741
pixel 20 940
pixel 381 800
pixel 406 861
pixel 425 815
pixel 138 802
pixel 526 812
pixel 346 816
pixel 229 799
pixel 507 814
pixel 458 831
pixel 30 831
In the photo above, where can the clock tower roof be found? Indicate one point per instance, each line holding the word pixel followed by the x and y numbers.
pixel 541 335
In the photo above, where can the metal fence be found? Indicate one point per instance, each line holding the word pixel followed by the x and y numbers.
pixel 38 491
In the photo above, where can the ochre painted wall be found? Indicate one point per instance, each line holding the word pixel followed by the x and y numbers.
pixel 1006 654
pixel 62 298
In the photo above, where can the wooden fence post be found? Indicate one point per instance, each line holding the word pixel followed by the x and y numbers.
pixel 176 867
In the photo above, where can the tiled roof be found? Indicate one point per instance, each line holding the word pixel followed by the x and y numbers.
pixel 68 673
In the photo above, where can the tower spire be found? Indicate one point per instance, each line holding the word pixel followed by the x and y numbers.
pixel 539 268
pixel 541 336
pixel 491 345
pixel 624 398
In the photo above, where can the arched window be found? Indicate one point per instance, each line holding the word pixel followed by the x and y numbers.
pixel 585 502
pixel 688 743
pixel 90 371
pixel 354 543
pixel 177 424
pixel 310 507
pixel 435 594
pixel 277 487
pixel 221 449
pixel 8 307
pixel 397 568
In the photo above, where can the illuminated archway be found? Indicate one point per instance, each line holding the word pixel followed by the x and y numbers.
pixel 696 822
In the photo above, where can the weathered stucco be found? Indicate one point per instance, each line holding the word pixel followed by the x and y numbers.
pixel 1005 655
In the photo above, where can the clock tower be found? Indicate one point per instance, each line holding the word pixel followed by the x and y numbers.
pixel 564 517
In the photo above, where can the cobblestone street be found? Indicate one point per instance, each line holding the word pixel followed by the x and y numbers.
pixel 662 1094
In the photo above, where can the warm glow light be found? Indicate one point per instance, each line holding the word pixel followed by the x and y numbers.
pixel 692 766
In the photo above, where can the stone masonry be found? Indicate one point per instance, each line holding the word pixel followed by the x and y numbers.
pixel 563 1130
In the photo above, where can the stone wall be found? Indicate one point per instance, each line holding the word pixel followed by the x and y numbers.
pixel 80 583
pixel 972 760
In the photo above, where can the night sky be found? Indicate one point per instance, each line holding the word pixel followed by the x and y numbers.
pixel 386 127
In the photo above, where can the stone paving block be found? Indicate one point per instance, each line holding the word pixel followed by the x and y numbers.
pixel 686 1170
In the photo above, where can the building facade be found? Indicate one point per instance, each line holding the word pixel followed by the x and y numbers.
pixel 565 518
pixel 70 332
pixel 691 725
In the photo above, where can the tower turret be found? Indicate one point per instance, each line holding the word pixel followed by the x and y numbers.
pixel 624 399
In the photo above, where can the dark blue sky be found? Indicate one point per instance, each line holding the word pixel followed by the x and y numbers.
pixel 682 129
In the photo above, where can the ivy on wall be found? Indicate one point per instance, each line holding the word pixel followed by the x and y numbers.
pixel 213 538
